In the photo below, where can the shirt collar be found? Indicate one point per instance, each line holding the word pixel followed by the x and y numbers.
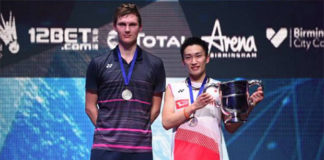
pixel 139 54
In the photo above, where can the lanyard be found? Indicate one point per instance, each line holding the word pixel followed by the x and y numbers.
pixel 126 79
pixel 200 90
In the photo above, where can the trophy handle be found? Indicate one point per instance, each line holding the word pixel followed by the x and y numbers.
pixel 254 83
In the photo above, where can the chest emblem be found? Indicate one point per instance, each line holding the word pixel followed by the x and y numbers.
pixel 109 65
pixel 181 103
pixel 180 90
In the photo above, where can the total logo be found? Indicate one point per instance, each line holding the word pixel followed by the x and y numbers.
pixel 149 41
pixel 299 37
pixel 230 47
pixel 77 39
pixel 8 35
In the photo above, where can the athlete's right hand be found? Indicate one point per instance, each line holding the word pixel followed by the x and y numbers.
pixel 202 100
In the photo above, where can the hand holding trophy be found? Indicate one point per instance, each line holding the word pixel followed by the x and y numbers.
pixel 234 98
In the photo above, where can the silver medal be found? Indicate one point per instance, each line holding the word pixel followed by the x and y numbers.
pixel 193 122
pixel 127 94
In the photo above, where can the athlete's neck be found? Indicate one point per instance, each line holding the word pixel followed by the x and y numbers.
pixel 127 51
pixel 199 78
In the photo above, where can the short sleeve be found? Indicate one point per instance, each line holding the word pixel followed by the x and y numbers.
pixel 91 77
pixel 159 84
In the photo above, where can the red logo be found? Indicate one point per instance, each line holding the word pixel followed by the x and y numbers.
pixel 182 103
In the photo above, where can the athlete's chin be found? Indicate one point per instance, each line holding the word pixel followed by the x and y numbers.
pixel 196 73
pixel 129 42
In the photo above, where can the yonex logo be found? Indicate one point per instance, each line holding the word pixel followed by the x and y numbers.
pixel 109 65
pixel 276 38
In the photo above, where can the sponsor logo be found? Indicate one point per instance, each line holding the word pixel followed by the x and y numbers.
pixel 8 34
pixel 181 103
pixel 76 39
pixel 276 38
pixel 109 65
pixel 299 37
pixel 229 46
pixel 180 90
pixel 149 41
pixel 306 38
pixel 112 39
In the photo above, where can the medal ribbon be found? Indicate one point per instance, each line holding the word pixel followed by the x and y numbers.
pixel 200 90
pixel 127 79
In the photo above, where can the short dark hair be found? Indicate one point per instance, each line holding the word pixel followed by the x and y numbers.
pixel 127 8
pixel 191 41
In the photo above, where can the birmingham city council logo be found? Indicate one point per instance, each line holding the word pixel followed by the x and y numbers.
pixel 299 37
pixel 8 34
pixel 276 38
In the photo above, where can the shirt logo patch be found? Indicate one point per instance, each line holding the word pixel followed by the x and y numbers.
pixel 109 65
pixel 181 103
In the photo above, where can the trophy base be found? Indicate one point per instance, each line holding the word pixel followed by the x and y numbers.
pixel 235 118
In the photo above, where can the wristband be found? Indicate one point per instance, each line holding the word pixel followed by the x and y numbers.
pixel 185 114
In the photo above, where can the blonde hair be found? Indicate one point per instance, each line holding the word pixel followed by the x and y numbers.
pixel 127 8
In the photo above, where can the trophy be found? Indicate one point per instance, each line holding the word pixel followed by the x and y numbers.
pixel 234 98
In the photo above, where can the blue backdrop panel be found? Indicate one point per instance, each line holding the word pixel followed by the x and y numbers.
pixel 43 118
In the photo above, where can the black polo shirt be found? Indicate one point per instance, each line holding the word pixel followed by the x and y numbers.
pixel 125 125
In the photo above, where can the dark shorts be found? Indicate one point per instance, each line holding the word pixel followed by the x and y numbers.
pixel 101 154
